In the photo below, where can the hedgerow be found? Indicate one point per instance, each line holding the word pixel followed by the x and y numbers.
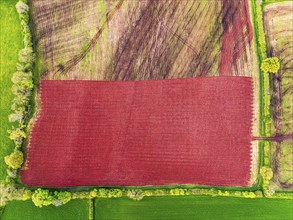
pixel 42 197
pixel 22 89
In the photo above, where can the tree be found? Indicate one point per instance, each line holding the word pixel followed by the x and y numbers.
pixel 21 7
pixel 14 160
pixel 135 194
pixel 270 65
pixel 26 55
pixel 42 198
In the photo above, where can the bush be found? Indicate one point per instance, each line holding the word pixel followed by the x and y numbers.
pixel 21 7
pixel 14 160
pixel 135 194
pixel 270 65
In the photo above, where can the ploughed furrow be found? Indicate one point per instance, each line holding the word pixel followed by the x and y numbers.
pixel 178 131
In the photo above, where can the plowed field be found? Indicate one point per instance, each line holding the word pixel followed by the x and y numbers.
pixel 145 39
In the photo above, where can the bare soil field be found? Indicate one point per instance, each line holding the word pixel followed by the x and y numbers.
pixel 127 40
pixel 279 27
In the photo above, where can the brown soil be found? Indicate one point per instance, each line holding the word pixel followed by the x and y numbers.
pixel 277 16
pixel 144 40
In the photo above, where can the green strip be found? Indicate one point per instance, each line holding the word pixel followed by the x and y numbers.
pixel 10 44
pixel 193 207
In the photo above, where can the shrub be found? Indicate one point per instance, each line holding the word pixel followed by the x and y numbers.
pixel 61 198
pixel 17 116
pixel 42 198
pixel 20 75
pixel 135 194
pixel 21 7
pixel 115 193
pixel 26 55
pixel 11 172
pixel 267 175
pixel 270 65
pixel 148 193
pixel 24 67
pixel 177 192
pixel 14 160
pixel 26 195
pixel 250 195
pixel 102 193
pixel 17 135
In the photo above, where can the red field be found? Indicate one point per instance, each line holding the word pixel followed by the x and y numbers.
pixel 181 131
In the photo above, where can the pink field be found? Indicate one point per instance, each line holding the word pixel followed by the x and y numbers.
pixel 181 131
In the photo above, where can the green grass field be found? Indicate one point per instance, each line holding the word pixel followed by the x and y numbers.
pixel 10 44
pixel 76 209
pixel 193 207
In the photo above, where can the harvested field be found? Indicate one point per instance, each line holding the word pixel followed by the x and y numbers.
pixel 127 40
pixel 180 131
pixel 279 27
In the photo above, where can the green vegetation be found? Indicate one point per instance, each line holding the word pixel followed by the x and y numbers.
pixel 267 2
pixel 270 65
pixel 9 192
pixel 77 209
pixel 10 44
pixel 14 160
pixel 43 197
pixel 22 90
pixel 193 207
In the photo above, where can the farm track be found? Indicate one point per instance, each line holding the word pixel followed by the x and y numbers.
pixel 145 40
pixel 277 17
